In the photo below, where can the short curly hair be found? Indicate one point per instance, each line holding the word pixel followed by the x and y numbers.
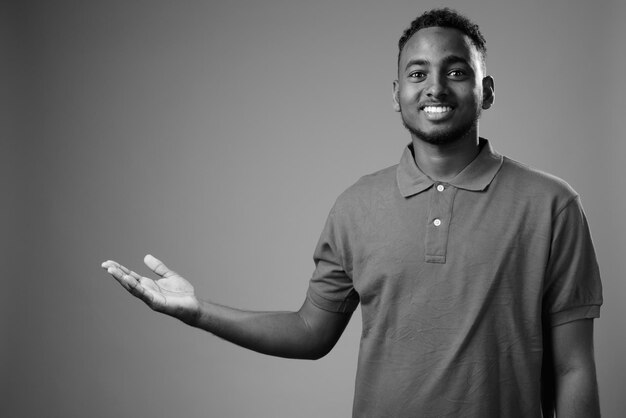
pixel 446 18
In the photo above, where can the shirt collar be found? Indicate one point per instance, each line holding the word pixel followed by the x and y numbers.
pixel 476 176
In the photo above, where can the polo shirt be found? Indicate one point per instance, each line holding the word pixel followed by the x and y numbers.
pixel 456 281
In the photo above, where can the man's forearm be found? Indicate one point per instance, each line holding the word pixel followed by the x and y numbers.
pixel 282 334
pixel 577 394
pixel 576 387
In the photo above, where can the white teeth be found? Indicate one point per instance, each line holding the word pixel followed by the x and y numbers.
pixel 437 109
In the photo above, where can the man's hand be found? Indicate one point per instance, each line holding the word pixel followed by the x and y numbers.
pixel 170 294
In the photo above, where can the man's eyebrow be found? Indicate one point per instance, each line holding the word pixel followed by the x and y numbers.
pixel 419 62
pixel 448 60
pixel 455 59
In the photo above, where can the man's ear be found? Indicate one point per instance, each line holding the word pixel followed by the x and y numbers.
pixel 488 92
pixel 396 96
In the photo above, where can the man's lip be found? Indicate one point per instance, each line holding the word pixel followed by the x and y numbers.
pixel 424 105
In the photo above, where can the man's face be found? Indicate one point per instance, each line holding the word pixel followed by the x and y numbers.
pixel 441 89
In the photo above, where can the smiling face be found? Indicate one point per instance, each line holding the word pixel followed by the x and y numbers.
pixel 441 88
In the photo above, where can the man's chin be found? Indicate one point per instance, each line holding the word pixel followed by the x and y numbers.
pixel 442 136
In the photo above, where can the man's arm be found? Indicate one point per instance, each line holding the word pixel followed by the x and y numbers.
pixel 308 333
pixel 576 387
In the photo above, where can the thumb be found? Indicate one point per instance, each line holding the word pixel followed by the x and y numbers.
pixel 157 266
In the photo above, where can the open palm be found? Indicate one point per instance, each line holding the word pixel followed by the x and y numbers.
pixel 170 294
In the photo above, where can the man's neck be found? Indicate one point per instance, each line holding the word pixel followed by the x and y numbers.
pixel 442 162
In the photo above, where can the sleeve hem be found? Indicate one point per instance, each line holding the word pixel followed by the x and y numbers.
pixel 343 306
pixel 574 314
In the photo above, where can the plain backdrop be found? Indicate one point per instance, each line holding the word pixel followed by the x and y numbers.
pixel 216 135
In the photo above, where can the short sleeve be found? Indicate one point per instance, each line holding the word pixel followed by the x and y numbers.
pixel 573 289
pixel 330 287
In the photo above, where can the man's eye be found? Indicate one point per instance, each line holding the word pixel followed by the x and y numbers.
pixel 457 73
pixel 417 75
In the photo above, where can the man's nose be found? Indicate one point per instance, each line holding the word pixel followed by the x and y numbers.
pixel 437 86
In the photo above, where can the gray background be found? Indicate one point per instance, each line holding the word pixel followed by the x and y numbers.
pixel 216 136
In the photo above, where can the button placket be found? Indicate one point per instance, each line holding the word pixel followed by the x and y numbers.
pixel 437 231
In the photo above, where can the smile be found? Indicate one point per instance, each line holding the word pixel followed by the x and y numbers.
pixel 438 113
pixel 437 109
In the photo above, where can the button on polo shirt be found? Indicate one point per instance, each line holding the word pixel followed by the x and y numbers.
pixel 455 285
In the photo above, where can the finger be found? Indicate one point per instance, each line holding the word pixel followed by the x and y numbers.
pixel 129 272
pixel 136 286
pixel 137 289
pixel 120 276
pixel 157 266
pixel 108 264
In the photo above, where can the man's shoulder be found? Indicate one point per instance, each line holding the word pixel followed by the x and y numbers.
pixel 377 185
pixel 524 177
pixel 373 182
pixel 379 178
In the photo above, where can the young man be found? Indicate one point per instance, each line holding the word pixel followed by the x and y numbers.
pixel 476 275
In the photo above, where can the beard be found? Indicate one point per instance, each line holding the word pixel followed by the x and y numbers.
pixel 444 137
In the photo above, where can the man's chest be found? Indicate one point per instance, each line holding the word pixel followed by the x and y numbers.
pixel 448 241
